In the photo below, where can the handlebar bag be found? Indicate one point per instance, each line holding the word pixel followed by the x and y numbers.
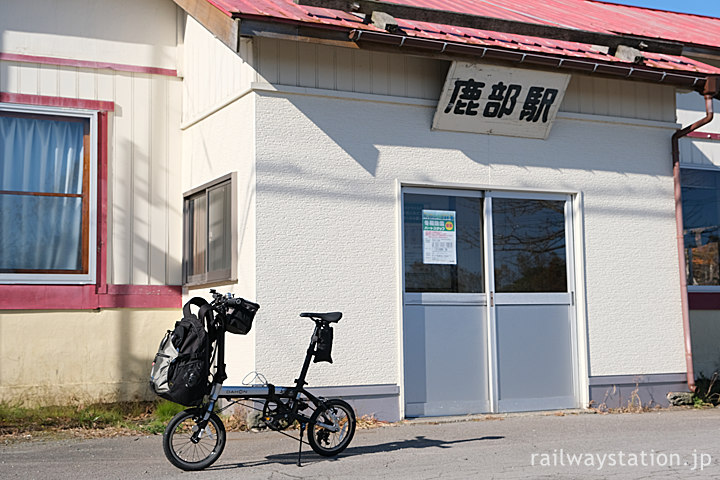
pixel 239 318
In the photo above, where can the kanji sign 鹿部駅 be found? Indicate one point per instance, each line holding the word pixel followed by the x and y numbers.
pixel 498 100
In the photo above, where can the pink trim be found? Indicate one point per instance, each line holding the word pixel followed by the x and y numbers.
pixel 102 199
pixel 704 300
pixel 71 62
pixel 45 101
pixel 706 136
pixel 84 297
pixel 141 296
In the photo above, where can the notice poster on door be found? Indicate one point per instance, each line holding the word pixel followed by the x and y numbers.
pixel 439 245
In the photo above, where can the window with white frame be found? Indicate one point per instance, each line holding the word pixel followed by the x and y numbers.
pixel 701 225
pixel 210 238
pixel 47 195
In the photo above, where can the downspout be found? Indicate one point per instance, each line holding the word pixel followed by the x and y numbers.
pixel 712 87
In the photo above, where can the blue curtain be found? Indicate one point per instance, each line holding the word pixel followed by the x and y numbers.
pixel 40 156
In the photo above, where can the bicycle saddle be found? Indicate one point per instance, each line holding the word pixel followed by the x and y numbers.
pixel 332 317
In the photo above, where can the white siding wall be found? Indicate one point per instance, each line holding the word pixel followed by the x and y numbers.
pixel 618 98
pixel 691 108
pixel 145 213
pixel 697 151
pixel 135 32
pixel 310 65
pixel 214 74
pixel 145 194
pixel 319 66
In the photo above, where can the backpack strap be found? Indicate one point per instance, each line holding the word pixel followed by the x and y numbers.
pixel 205 314
pixel 197 301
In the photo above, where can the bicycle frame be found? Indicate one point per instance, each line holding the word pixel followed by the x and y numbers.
pixel 265 392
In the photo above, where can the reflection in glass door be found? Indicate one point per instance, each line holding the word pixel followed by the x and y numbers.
pixel 531 310
pixel 445 329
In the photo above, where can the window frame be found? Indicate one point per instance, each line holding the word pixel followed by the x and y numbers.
pixel 90 200
pixel 706 168
pixel 227 275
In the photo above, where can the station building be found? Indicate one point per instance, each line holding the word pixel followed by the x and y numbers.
pixel 492 199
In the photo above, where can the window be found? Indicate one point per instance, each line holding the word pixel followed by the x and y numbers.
pixel 462 274
pixel 529 245
pixel 47 195
pixel 210 232
pixel 701 225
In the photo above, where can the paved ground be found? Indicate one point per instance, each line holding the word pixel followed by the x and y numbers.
pixel 668 444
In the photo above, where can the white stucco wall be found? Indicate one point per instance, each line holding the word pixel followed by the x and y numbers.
pixel 328 173
pixel 328 165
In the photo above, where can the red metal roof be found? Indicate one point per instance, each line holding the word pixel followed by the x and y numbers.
pixel 589 15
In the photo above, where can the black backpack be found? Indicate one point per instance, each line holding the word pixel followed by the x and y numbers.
pixel 181 370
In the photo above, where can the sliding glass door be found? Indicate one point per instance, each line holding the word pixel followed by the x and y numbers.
pixel 488 320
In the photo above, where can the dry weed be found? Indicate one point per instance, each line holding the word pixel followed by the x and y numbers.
pixel 633 405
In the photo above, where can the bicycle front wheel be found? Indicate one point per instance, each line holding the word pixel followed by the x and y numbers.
pixel 331 428
pixel 187 446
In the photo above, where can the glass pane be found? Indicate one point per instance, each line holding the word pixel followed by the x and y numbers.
pixel 197 213
pixel 529 245
pixel 41 155
pixel 429 264
pixel 40 233
pixel 219 228
pixel 701 219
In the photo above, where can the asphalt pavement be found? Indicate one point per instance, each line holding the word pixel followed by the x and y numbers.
pixel 658 445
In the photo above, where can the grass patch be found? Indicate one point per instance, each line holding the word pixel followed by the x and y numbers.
pixel 707 391
pixel 129 417
pixel 113 419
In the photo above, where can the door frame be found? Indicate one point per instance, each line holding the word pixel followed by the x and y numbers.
pixel 575 263
pixel 494 298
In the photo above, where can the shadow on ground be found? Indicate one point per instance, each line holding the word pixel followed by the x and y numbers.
pixel 308 456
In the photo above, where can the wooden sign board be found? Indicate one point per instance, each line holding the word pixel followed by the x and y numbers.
pixel 499 100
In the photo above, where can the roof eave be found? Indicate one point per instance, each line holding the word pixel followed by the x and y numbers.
pixel 229 28
pixel 546 61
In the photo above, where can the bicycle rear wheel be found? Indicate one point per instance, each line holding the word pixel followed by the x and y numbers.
pixel 186 446
pixel 331 427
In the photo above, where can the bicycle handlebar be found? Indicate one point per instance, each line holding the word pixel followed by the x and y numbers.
pixel 227 300
pixel 233 302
